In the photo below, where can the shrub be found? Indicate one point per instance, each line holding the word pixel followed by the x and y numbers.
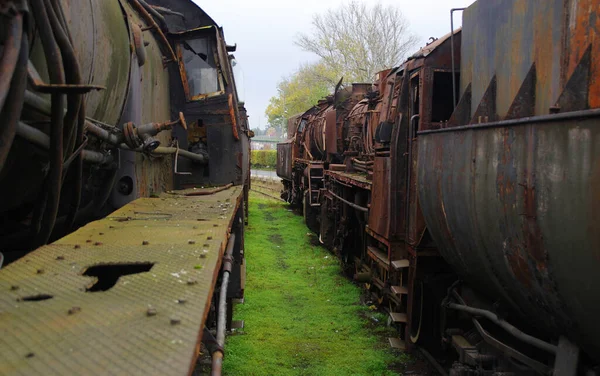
pixel 263 158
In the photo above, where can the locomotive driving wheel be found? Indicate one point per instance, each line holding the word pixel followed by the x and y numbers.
pixel 417 312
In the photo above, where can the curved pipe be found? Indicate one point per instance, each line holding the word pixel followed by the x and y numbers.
pixel 155 14
pixel 11 110
pixel 57 77
pixel 217 356
pixel 163 44
pixel 353 205
pixel 536 342
pixel 10 56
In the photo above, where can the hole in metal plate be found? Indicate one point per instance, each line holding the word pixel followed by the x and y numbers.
pixel 109 274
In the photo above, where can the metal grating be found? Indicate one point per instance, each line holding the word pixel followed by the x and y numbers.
pixel 149 322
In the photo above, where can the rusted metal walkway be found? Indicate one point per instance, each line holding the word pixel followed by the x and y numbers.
pixel 127 294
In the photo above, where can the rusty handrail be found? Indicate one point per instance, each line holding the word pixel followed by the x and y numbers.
pixel 452 53
pixel 573 115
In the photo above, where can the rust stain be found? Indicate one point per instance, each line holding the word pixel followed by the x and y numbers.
pixel 533 234
pixel 584 29
pixel 184 80
pixel 520 268
pixel 233 117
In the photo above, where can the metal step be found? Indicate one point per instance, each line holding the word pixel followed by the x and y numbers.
pixel 398 290
pixel 399 264
pixel 237 324
pixel 397 343
pixel 378 255
pixel 398 317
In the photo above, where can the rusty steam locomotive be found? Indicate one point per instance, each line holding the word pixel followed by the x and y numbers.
pixel 124 177
pixel 462 189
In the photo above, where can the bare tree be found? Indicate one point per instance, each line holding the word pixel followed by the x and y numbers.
pixel 358 41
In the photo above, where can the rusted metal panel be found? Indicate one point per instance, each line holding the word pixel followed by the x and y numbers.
pixel 514 210
pixel 349 178
pixel 58 320
pixel 504 38
pixel 284 160
pixel 583 33
pixel 379 215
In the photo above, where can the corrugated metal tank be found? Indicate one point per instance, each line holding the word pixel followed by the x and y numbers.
pixel 514 207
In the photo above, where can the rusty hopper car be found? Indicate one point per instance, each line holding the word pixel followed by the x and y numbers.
pixel 470 214
pixel 124 176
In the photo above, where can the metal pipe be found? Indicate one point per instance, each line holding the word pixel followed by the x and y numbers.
pixel 33 135
pixel 39 138
pixel 573 115
pixel 536 342
pixel 452 53
pixel 43 106
pixel 171 150
pixel 13 105
pixel 72 77
pixel 353 205
pixel 10 55
pixel 103 134
pixel 217 356
pixel 163 42
pixel 154 13
pixel 411 129
pixel 511 352
pixel 51 192
pixel 96 157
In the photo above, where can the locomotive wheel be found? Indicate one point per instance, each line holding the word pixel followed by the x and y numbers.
pixel 417 312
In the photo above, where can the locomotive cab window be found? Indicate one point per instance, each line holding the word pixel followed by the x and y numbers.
pixel 442 106
pixel 201 70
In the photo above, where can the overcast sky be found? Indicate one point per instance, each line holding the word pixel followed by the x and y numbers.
pixel 264 31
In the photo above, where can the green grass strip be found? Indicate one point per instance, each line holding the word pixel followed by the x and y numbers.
pixel 302 316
